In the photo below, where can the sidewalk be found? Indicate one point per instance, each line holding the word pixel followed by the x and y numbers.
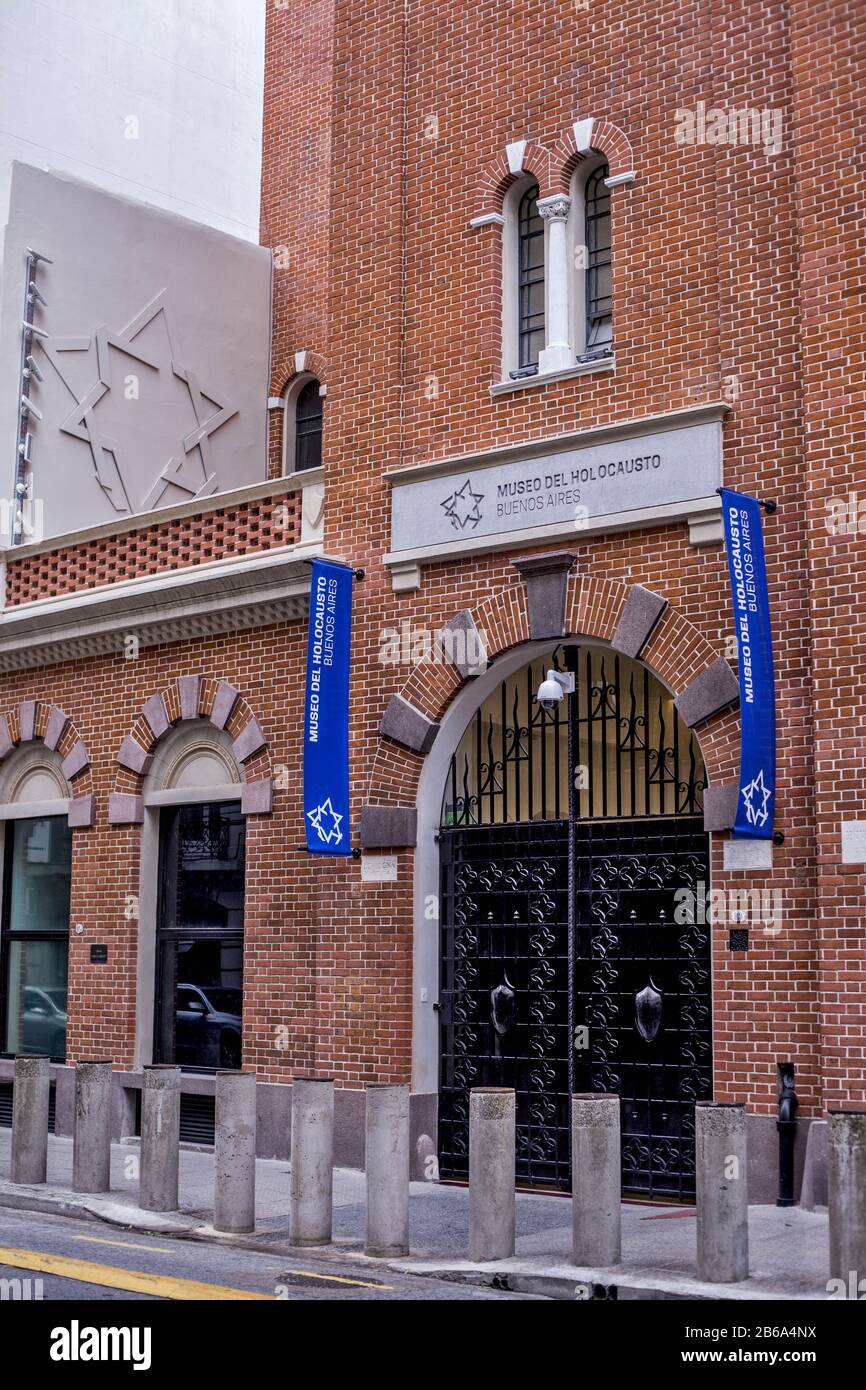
pixel 789 1247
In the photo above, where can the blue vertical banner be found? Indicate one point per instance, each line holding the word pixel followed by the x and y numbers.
pixel 326 710
pixel 744 539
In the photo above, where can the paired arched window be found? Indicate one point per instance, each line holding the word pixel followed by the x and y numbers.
pixel 304 419
pixel 599 302
pixel 557 307
pixel 530 285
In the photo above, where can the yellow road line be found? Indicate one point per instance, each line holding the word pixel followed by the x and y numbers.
pixel 127 1244
pixel 337 1279
pixel 132 1281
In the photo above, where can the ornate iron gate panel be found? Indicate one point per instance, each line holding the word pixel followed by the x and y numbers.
pixel 565 836
pixel 642 991
pixel 504 998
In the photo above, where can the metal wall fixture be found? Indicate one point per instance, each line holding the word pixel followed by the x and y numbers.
pixel 28 410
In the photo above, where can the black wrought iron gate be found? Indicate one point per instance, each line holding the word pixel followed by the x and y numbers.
pixel 573 958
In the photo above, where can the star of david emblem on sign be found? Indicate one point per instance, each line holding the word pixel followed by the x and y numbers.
pixel 326 823
pixel 180 415
pixel 756 797
pixel 463 507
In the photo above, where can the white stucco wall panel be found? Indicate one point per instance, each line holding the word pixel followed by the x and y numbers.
pixel 160 100
pixel 155 359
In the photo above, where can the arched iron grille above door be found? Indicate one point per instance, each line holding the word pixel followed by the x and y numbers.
pixel 568 960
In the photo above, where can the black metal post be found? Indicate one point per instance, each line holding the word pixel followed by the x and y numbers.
pixel 787 1128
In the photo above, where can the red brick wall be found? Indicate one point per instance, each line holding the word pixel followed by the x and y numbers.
pixel 296 187
pixel 705 284
pixel 828 51
pixel 734 274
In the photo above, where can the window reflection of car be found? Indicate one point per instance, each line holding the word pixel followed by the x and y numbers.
pixel 45 1021
pixel 208 1026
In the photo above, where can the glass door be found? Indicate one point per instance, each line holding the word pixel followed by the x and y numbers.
pixel 200 953
pixel 34 944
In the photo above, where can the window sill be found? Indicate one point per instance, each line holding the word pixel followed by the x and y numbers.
pixel 505 388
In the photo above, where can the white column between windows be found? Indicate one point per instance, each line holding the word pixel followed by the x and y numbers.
pixel 557 352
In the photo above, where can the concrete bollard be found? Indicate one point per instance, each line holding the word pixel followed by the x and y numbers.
pixel 311 1192
pixel 160 1139
pixel 91 1147
pixel 234 1198
pixel 596 1182
pixel 30 1119
pixel 387 1167
pixel 846 1195
pixel 722 1192
pixel 491 1173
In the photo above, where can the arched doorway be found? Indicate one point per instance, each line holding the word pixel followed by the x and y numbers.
pixel 572 854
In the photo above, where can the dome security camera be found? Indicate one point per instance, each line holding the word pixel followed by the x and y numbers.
pixel 552 690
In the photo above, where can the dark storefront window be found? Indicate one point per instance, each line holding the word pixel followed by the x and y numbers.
pixel 35 936
pixel 200 946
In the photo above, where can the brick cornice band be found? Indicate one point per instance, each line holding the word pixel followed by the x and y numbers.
pixel 713 690
pixel 388 827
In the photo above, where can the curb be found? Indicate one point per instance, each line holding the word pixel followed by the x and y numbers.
pixel 559 1285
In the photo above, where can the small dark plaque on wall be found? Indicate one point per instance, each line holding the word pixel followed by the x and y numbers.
pixel 98 954
pixel 738 939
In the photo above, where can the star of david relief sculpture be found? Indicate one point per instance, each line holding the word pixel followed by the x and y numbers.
pixel 145 418
pixel 463 507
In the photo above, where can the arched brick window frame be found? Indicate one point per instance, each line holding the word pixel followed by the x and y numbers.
pixel 625 616
pixel 36 721
pixel 553 166
pixel 192 698
pixel 300 365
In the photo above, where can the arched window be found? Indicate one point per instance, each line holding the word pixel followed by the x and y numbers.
pixel 598 300
pixel 36 845
pixel 193 794
pixel 530 283
pixel 303 411
pixel 308 426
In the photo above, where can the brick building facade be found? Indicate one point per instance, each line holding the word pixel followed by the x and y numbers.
pixel 399 143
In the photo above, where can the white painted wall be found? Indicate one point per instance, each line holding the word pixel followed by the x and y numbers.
pixel 160 100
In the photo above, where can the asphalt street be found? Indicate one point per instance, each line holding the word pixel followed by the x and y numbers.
pixel 78 1259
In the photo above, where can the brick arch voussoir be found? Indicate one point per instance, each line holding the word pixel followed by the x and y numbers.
pixel 186 700
pixel 677 653
pixel 39 721
pixel 607 139
pixel 285 371
pixel 496 178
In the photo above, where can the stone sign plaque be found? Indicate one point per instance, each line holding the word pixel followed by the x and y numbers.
pixel 617 477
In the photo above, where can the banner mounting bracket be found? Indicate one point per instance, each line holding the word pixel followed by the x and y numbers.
pixel 769 506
